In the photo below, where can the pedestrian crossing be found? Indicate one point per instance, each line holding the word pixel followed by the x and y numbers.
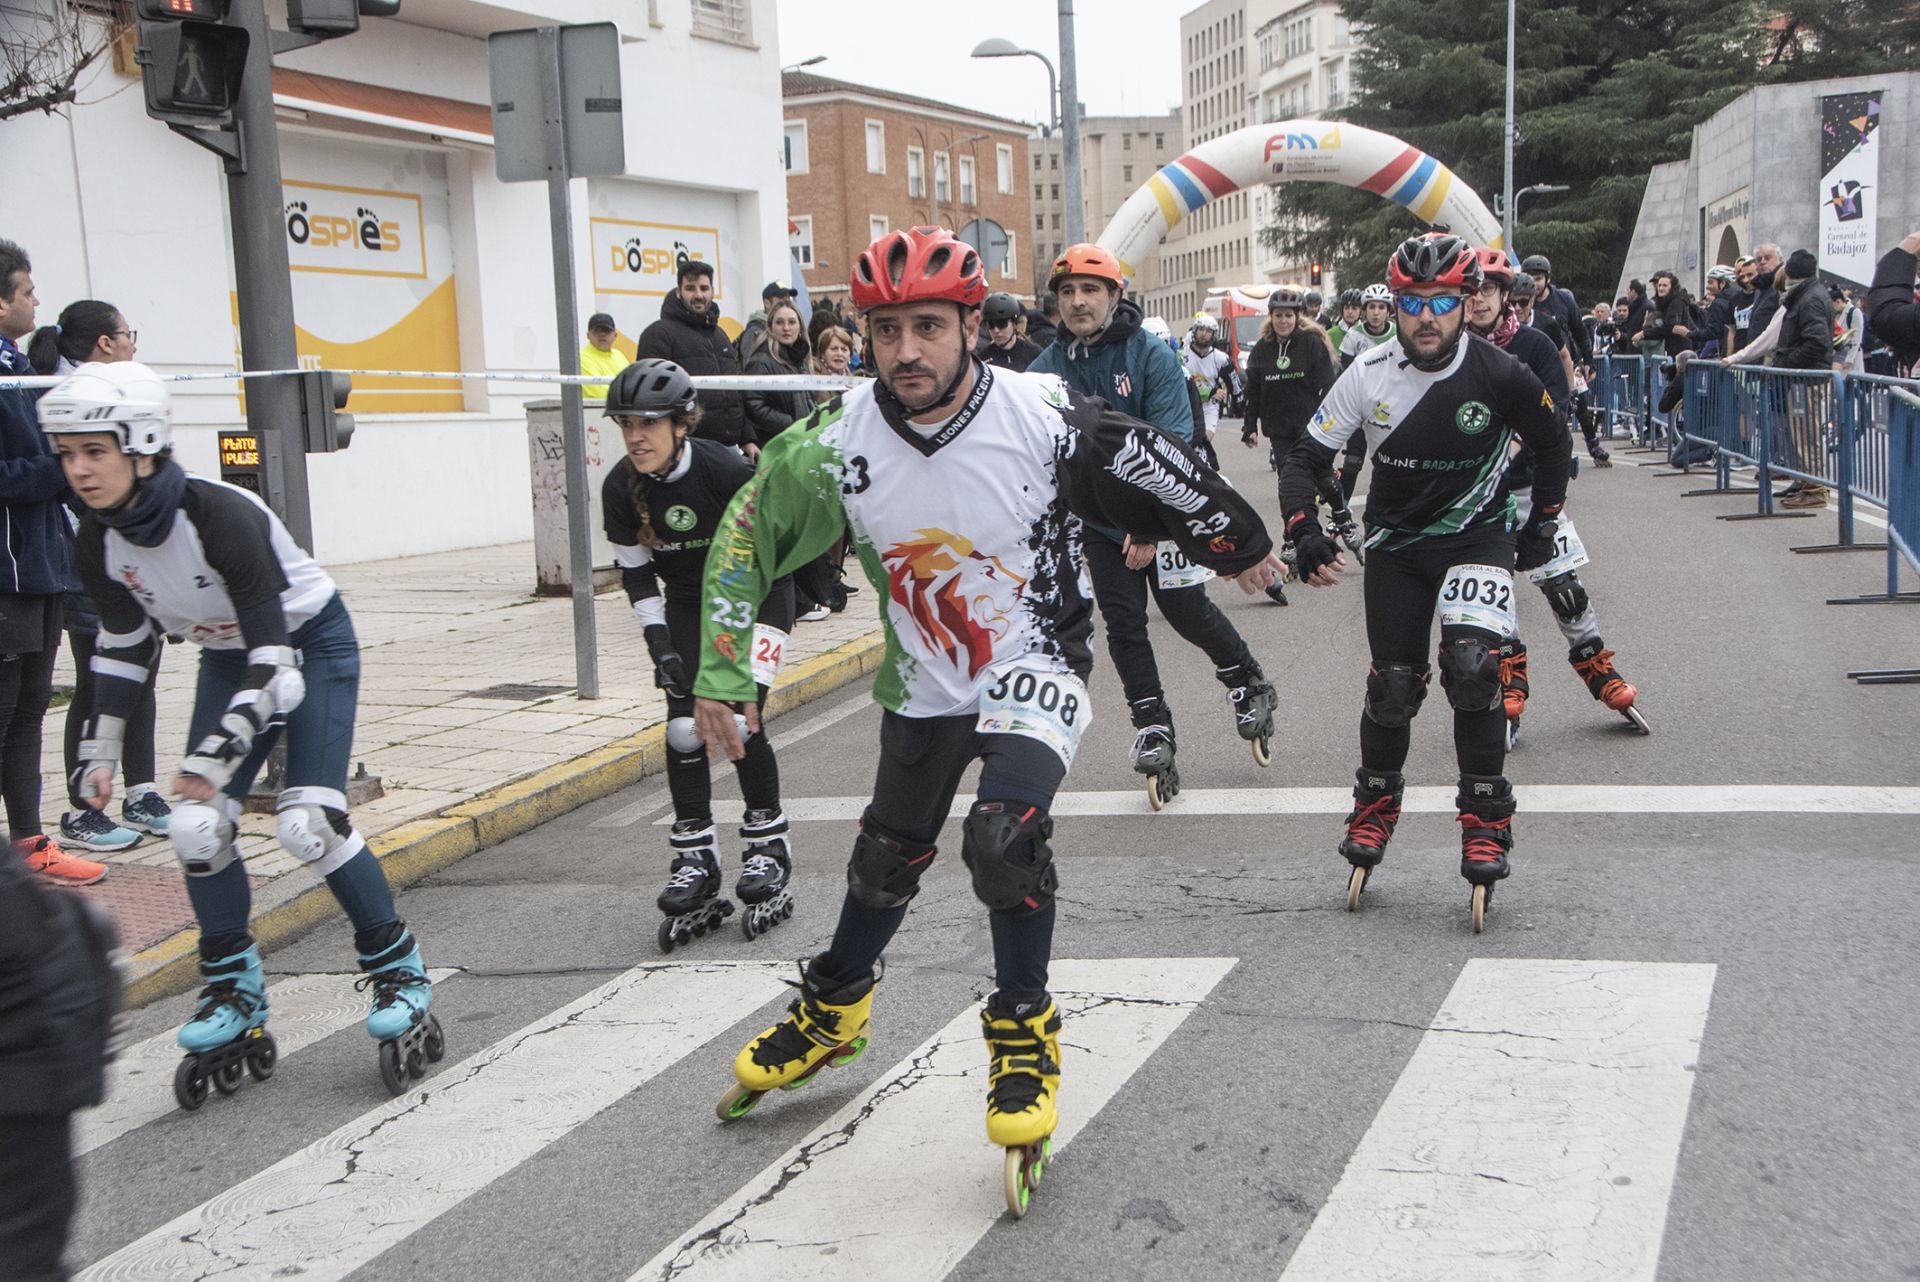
pixel 1591 1062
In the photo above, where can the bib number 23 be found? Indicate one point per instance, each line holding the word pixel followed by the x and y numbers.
pixel 1479 596
pixel 1049 706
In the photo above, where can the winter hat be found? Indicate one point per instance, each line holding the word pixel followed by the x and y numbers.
pixel 1801 265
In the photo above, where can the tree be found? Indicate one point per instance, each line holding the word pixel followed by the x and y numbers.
pixel 1604 89
pixel 43 53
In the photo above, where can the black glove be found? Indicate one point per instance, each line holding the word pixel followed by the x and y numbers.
pixel 1249 436
pixel 1312 549
pixel 669 669
pixel 1535 546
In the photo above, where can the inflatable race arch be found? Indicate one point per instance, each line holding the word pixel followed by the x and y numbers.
pixel 1297 151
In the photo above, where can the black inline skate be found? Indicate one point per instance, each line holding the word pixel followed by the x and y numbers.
pixel 765 869
pixel 691 899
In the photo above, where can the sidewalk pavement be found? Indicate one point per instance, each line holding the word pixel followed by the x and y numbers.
pixel 468 714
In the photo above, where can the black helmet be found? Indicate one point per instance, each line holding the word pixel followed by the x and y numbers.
pixel 1286 296
pixel 1349 298
pixel 1000 308
pixel 1314 299
pixel 1533 263
pixel 1524 288
pixel 652 388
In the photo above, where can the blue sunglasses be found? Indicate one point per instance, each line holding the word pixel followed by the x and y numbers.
pixel 1439 304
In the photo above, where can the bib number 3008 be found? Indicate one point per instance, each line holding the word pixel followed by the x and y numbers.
pixel 1479 596
pixel 1049 706
pixel 1176 571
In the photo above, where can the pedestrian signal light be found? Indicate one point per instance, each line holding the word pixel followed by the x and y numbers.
pixel 323 395
pixel 190 68
pixel 182 10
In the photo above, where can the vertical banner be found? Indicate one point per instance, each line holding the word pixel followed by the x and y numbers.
pixel 1849 185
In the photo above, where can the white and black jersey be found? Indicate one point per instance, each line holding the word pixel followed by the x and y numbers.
pixel 1440 441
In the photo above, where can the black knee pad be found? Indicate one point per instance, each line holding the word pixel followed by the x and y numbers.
pixel 1567 595
pixel 1005 847
pixel 885 869
pixel 1395 692
pixel 1470 672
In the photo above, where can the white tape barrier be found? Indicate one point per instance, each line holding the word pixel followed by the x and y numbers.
pixel 706 382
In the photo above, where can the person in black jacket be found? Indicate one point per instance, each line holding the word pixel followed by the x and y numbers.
pixel 1806 342
pixel 688 333
pixel 1891 311
pixel 784 352
pixel 1289 372
pixel 1002 344
pixel 35 575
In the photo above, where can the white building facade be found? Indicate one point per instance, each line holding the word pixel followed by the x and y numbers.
pixel 407 252
pixel 1303 69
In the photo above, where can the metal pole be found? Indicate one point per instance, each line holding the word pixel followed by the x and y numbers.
pixel 1506 183
pixel 573 427
pixel 1070 128
pixel 263 282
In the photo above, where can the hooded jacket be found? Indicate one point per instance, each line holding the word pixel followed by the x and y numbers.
pixel 36 540
pixel 1126 367
pixel 1286 381
pixel 696 343
pixel 1806 334
pixel 1891 311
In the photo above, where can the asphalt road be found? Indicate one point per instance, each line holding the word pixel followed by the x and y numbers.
pixel 1777 1112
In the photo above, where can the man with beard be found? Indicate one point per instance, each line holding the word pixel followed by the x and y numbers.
pixel 688 333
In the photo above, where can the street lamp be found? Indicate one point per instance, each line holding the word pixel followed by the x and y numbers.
pixel 1537 189
pixel 809 62
pixel 1063 96
pixel 1506 140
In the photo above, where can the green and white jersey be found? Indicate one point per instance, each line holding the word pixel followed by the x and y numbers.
pixel 969 530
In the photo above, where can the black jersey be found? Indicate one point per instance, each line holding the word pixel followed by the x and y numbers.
pixel 1440 441
pixel 683 511
pixel 1534 348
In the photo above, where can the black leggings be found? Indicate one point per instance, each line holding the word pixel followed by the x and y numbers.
pixel 26 688
pixel 921 762
pixel 689 778
pixel 1122 597
pixel 136 760
pixel 1402 588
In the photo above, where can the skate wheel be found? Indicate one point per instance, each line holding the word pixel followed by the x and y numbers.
pixel 416 1065
pixel 262 1058
pixel 749 923
pixel 1262 751
pixel 786 910
pixel 1633 714
pixel 227 1078
pixel 665 936
pixel 393 1071
pixel 736 1103
pixel 1481 896
pixel 1155 797
pixel 1021 1174
pixel 848 1053
pixel 189 1085
pixel 725 908
pixel 1356 882
pixel 435 1044
pixel 699 930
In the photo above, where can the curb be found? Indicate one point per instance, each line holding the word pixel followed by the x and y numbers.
pixel 290 906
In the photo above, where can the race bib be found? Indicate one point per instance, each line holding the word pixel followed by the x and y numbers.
pixel 1176 571
pixel 769 648
pixel 1049 706
pixel 1479 596
pixel 1568 554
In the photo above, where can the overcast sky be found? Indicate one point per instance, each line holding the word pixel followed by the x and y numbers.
pixel 1128 51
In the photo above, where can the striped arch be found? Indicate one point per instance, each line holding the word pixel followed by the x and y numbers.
pixel 1296 151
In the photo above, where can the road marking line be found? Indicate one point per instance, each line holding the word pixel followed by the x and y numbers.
pixel 1539 799
pixel 1533 1135
pixel 654 799
pixel 901 1182
pixel 341 1201
pixel 301 1010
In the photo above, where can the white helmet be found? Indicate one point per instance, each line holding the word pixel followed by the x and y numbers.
pixel 124 397
pixel 1376 293
pixel 1157 327
pixel 1721 271
pixel 1206 322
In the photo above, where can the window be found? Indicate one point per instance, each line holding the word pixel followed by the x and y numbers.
pixel 801 239
pixel 1054 192
pixel 1039 222
pixel 942 177
pixel 723 20
pixel 876 147
pixel 1039 192
pixel 1126 142
pixel 1126 173
pixel 1056 222
pixel 794 133
pixel 876 227
pixel 1010 265
pixel 1053 160
pixel 1036 162
pixel 916 173
pixel 1159 142
pixel 1003 169
pixel 969 194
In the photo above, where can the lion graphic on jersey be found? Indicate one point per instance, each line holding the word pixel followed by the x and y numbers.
pixel 961 600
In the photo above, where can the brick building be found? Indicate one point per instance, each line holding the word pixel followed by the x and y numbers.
pixel 864 161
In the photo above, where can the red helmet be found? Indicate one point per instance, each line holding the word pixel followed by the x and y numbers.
pixel 1437 258
pixel 1086 260
pixel 1496 266
pixel 916 266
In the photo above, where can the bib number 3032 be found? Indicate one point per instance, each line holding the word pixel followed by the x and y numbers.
pixel 1049 706
pixel 1479 596
pixel 1176 571
pixel 1569 553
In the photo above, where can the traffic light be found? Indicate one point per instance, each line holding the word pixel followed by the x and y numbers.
pixel 190 62
pixel 323 394
pixel 1313 274
pixel 329 18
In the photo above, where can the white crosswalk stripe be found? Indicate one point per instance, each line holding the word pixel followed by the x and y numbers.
pixel 342 1200
pixel 904 1174
pixel 302 1010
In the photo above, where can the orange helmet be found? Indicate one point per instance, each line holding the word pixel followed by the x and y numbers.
pixel 1087 260
pixel 917 266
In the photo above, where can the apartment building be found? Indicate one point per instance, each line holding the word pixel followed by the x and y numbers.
pixel 1117 155
pixel 1303 69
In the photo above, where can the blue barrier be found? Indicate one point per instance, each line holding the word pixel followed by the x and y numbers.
pixel 1903 521
pixel 1621 395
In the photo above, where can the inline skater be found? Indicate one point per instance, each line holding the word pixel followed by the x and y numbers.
pixel 1289 372
pixel 1350 308
pixel 1106 354
pixel 163 552
pixel 1375 328
pixel 662 504
pixel 1441 414
pixel 1005 346
pixel 965 488
pixel 1211 372
pixel 1524 295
